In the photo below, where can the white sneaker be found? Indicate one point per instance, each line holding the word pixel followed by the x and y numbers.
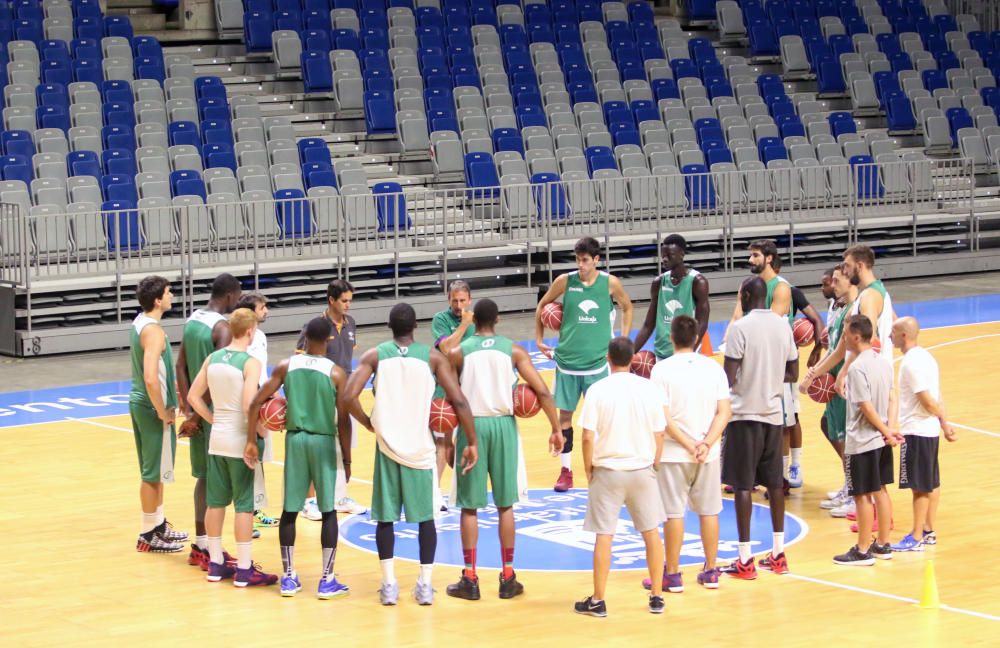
pixel 842 511
pixel 310 510
pixel 348 505
pixel 837 493
pixel 835 502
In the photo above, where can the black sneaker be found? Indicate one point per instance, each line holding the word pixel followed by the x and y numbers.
pixel 589 607
pixel 656 604
pixel 465 588
pixel 854 558
pixel 882 552
pixel 510 588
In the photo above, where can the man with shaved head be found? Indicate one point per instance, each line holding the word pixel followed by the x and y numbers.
pixel 921 419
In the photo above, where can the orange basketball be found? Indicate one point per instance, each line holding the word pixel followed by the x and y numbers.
pixel 272 413
pixel 642 363
pixel 443 418
pixel 821 390
pixel 526 402
pixel 804 332
pixel 552 315
pixel 825 337
pixel 876 345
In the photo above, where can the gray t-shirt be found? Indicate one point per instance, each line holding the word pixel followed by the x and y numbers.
pixel 869 378
pixel 763 341
pixel 340 345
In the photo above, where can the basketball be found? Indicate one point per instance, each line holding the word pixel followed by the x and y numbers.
pixel 272 413
pixel 876 345
pixel 642 363
pixel 804 332
pixel 821 389
pixel 443 417
pixel 552 315
pixel 526 402
pixel 825 337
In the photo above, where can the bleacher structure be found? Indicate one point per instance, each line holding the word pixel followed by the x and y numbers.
pixel 402 144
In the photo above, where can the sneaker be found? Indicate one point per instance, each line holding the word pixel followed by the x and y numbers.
pixel 347 505
pixel 329 589
pixel 263 520
pixel 837 493
pixel 290 585
pixel 775 564
pixel 589 607
pixel 854 558
pixel 217 572
pixel 565 481
pixel 842 511
pixel 908 543
pixel 795 476
pixel 255 534
pixel 854 526
pixel 727 489
pixel 656 604
pixel 156 544
pixel 169 533
pixel 647 584
pixel 511 587
pixel 741 570
pixel 198 557
pixel 423 593
pixel 253 576
pixel 673 583
pixel 881 551
pixel 709 578
pixel 930 538
pixel 388 594
pixel 840 499
pixel 310 510
pixel 466 588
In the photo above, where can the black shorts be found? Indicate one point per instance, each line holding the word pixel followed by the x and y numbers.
pixel 869 471
pixel 751 455
pixel 918 463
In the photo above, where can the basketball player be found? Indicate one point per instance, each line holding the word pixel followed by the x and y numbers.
pixel 697 397
pixel 869 442
pixel 231 376
pixel 152 405
pixel 405 373
pixel 485 364
pixel 923 418
pixel 623 420
pixel 587 328
pixel 340 350
pixel 761 357
pixel 205 331
pixel 680 290
pixel 312 382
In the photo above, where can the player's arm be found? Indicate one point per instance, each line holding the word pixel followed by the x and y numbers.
pixel 555 291
pixel 649 324
pixel 527 371
pixel 702 308
pixel 221 335
pixel 456 358
pixel 339 378
pixel 349 398
pixel 445 376
pixel 267 390
pixel 658 438
pixel 781 301
pixel 935 407
pixel 732 367
pixel 251 382
pixel 829 361
pixel 737 314
pixel 792 359
pixel 183 383
pixel 871 306
pixel 445 342
pixel 153 341
pixel 619 294
pixel 197 392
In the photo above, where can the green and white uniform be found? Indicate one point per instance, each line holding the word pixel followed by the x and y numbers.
pixel 487 382
pixel 155 441
pixel 405 456
pixel 587 325
pixel 228 479
pixel 198 345
pixel 790 394
pixel 673 300
pixel 883 327
pixel 443 326
pixel 836 409
pixel 311 422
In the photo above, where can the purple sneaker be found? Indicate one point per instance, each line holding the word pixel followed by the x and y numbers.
pixel 709 578
pixel 253 576
pixel 648 584
pixel 217 572
pixel 674 583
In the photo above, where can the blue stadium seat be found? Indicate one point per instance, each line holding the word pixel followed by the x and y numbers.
pixel 54 50
pixel 771 148
pixel 318 174
pixel 29 30
pixel 293 214
pixel 118 137
pixel 80 163
pixel 698 186
pixel 118 26
pixel 380 113
pixel 118 114
pixel 52 94
pixel 118 187
pixel 599 157
pixel 391 205
pixel 56 72
pixel 117 92
pixel 88 70
pixel 147 46
pixel 17 143
pixel 16 167
pixel 216 132
pixel 121 225
pixel 187 183
pixel 313 149
pixel 86 48
pixel 841 122
pixel 213 109
pixel 665 89
pixel 118 162
pixel 481 175
pixel 899 113
pixel 867 178
pixel 52 117
pixel 257 28
pixel 219 155
pixel 315 39
pixel 205 87
pixel 317 75
pixel 183 133
pixel 508 139
pixel 958 118
pixel 550 196
pixel 88 27
pixel 149 67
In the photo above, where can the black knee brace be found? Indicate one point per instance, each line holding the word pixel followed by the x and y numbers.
pixel 568 445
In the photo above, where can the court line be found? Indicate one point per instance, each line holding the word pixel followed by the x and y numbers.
pixel 973 429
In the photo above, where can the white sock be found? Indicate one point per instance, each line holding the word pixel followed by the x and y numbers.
pixel 779 543
pixel 567 460
pixel 160 518
pixel 745 552
pixel 425 574
pixel 201 542
pixel 215 549
pixel 148 522
pixel 243 555
pixel 388 571
pixel 796 456
pixel 785 461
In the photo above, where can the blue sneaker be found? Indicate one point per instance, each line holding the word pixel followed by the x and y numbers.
pixel 329 589
pixel 795 476
pixel 290 585
pixel 908 543
pixel 388 594
pixel 217 572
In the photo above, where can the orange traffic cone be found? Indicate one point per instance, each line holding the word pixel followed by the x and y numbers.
pixel 706 346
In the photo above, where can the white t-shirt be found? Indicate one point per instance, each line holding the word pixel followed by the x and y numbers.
pixel 918 372
pixel 258 350
pixel 625 412
pixel 692 385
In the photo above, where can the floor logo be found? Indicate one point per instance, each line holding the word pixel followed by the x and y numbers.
pixel 550 535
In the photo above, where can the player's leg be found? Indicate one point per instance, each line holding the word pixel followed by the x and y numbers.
pixel 417 493
pixel 862 475
pixel 387 504
pixel 568 390
pixel 242 478
pixel 345 503
pixel 471 495
pixel 741 446
pixel 883 505
pixel 155 462
pixel 502 461
pixel 199 469
pixel 324 469
pixel 794 437
pixel 296 487
pixel 769 475
pixel 218 495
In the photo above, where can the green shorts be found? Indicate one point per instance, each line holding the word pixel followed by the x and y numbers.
pixel 570 388
pixel 310 458
pixel 199 451
pixel 397 488
pixel 229 480
pixel 496 438
pixel 156 461
pixel 836 419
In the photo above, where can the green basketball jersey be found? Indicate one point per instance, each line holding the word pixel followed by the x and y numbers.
pixel 587 324
pixel 771 286
pixel 837 331
pixel 488 376
pixel 197 339
pixel 672 301
pixel 225 384
pixel 168 390
pixel 311 395
pixel 404 386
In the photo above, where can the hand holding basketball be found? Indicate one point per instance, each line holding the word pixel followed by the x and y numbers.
pixel 804 332
pixel 443 418
pixel 526 402
pixel 821 389
pixel 272 413
pixel 642 363
pixel 552 315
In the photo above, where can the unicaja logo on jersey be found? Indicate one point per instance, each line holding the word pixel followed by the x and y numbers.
pixel 586 306
pixel 673 305
pixel 488 343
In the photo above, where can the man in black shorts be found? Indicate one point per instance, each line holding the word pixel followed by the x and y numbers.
pixel 760 357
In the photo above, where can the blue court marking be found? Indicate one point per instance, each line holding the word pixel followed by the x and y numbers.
pixel 550 536
pixel 111 398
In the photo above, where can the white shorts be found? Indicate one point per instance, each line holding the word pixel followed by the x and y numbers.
pixel 693 486
pixel 790 403
pixel 637 490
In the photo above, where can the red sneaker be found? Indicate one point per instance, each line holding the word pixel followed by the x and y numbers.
pixel 742 570
pixel 565 481
pixel 892 525
pixel 775 564
pixel 198 557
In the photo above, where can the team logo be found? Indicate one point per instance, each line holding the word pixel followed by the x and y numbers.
pixel 550 535
pixel 673 305
pixel 487 343
pixel 227 357
pixel 588 305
